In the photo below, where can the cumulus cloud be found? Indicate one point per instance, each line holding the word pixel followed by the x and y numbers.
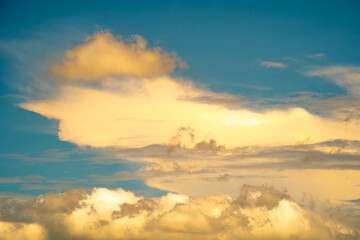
pixel 260 212
pixel 269 64
pixel 104 55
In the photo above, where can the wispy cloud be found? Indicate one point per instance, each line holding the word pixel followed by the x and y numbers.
pixel 24 179
pixel 269 64
pixel 346 77
pixel 319 56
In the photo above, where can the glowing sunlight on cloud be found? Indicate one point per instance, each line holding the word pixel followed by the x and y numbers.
pixel 259 212
pixel 103 54
pixel 22 231
pixel 179 120
pixel 119 96
pixel 141 112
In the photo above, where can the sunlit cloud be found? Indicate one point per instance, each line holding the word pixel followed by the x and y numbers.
pixel 213 169
pixel 106 55
pixel 141 112
pixel 198 142
pixel 129 112
pixel 259 212
pixel 109 135
pixel 22 231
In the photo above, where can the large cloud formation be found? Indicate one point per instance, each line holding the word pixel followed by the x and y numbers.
pixel 141 112
pixel 135 104
pixel 259 212
pixel 196 142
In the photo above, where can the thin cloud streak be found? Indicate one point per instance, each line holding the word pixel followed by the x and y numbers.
pixel 270 64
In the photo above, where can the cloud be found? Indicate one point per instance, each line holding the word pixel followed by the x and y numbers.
pixel 129 109
pixel 260 212
pixel 318 56
pixel 343 108
pixel 31 178
pixel 183 138
pixel 320 169
pixel 141 112
pixel 346 77
pixel 210 145
pixel 269 64
pixel 22 231
pixel 328 170
pixel 104 55
pixel 195 142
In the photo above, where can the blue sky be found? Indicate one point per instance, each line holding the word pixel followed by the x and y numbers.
pixel 222 42
pixel 270 97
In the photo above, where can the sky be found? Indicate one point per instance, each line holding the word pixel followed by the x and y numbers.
pixel 179 120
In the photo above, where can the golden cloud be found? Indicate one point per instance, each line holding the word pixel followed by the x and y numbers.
pixel 22 231
pixel 141 112
pixel 257 213
pixel 105 55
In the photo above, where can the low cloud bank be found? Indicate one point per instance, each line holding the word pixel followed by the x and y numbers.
pixel 259 212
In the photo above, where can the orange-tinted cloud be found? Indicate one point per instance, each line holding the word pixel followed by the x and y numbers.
pixel 259 212
pixel 104 55
pixel 22 231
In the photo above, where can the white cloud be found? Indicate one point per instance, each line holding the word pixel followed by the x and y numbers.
pixel 269 64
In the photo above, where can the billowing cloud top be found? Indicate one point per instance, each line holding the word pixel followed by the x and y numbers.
pixel 103 54
pixel 259 212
